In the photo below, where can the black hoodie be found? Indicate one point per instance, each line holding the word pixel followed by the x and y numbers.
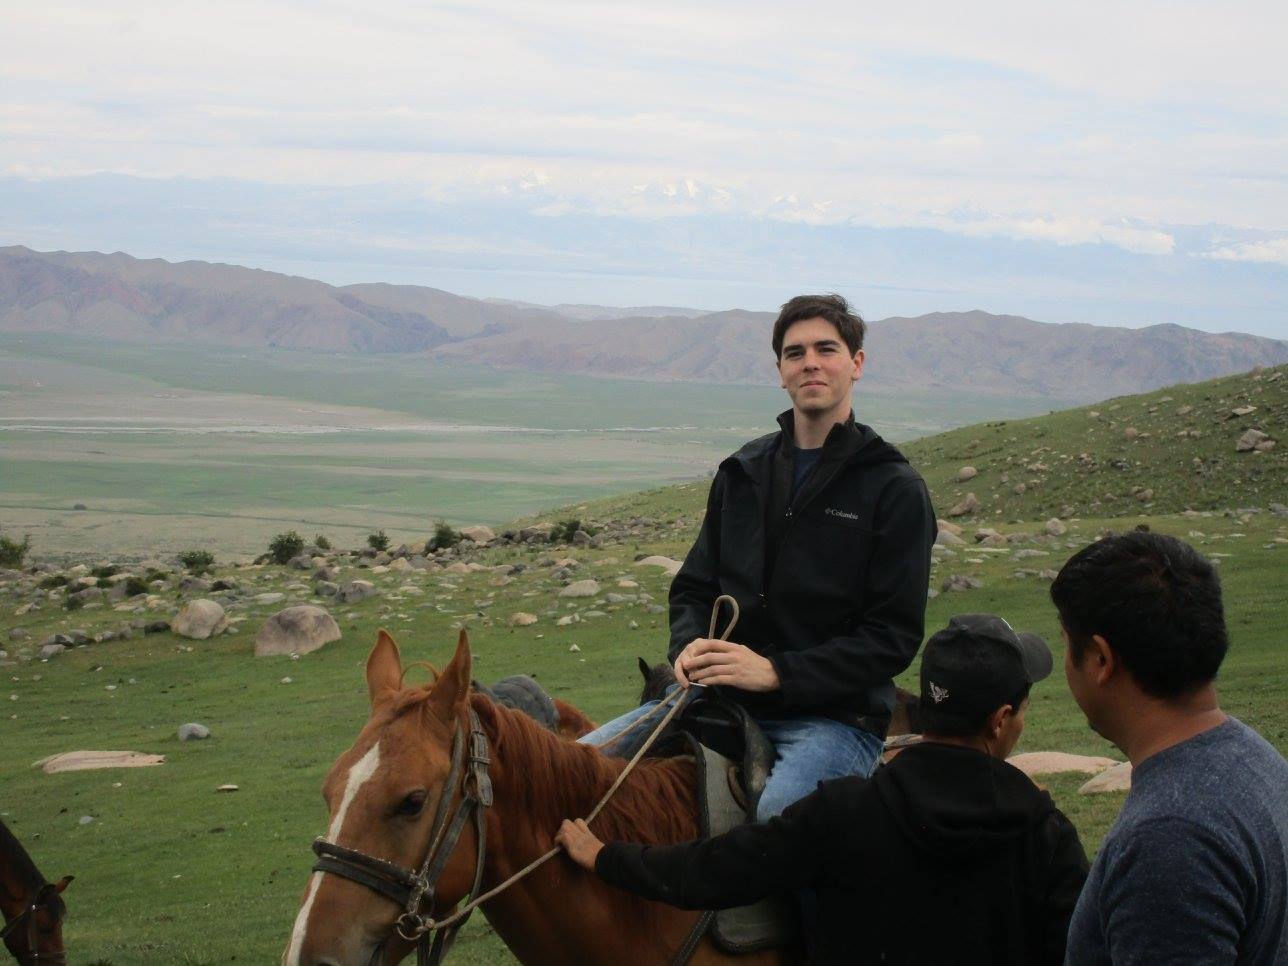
pixel 831 584
pixel 945 856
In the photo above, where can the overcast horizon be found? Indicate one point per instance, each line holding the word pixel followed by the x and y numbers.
pixel 1105 164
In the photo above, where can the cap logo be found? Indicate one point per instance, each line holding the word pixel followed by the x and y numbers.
pixel 938 694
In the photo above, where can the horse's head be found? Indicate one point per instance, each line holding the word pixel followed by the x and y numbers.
pixel 383 794
pixel 35 936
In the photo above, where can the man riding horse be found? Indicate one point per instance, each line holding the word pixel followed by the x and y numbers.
pixel 822 533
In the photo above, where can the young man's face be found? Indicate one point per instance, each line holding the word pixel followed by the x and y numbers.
pixel 817 369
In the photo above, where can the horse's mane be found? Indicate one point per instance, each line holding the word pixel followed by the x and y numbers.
pixel 14 858
pixel 556 778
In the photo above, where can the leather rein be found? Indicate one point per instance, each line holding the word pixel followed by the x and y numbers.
pixel 412 889
pixel 28 917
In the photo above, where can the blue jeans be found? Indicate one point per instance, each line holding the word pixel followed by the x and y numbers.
pixel 809 750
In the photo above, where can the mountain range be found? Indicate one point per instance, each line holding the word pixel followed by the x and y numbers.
pixel 123 298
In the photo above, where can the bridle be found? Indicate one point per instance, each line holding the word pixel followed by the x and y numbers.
pixel 28 916
pixel 415 889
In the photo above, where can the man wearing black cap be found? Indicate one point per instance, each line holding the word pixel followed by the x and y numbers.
pixel 946 855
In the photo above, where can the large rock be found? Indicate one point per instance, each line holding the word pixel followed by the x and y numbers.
pixel 967 506
pixel 1250 441
pixel 1055 527
pixel 966 473
pixel 959 582
pixel 353 591
pixel 669 566
pixel 947 538
pixel 581 588
pixel 1036 763
pixel 296 630
pixel 952 528
pixel 479 534
pixel 199 619
pixel 193 731
pixel 536 533
pixel 522 619
pixel 1115 779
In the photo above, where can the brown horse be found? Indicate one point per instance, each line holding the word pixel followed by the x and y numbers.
pixel 383 791
pixel 33 908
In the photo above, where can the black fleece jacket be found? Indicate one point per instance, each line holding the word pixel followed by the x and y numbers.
pixel 945 856
pixel 831 584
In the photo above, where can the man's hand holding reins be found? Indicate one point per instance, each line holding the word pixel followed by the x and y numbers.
pixel 708 661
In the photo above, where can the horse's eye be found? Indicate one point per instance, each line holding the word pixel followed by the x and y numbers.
pixel 413 804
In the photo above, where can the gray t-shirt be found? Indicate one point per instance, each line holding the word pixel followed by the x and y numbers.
pixel 1195 869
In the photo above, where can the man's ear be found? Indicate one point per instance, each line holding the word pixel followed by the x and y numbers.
pixel 1105 661
pixel 453 685
pixel 859 358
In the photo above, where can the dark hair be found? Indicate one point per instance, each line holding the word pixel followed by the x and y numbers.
pixel 1157 603
pixel 935 722
pixel 831 307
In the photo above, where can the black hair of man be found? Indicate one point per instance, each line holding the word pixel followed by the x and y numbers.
pixel 1155 600
pixel 832 308
pixel 934 722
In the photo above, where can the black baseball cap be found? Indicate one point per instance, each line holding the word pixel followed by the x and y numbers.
pixel 978 663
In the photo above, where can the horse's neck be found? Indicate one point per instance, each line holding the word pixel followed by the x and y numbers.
pixel 19 877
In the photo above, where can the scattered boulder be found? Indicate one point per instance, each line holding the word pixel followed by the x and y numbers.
pixel 952 528
pixel 193 731
pixel 51 651
pixel 1131 433
pixel 522 619
pixel 1055 527
pixel 1115 779
pixel 92 760
pixel 959 582
pixel 400 564
pixel 1250 440
pixel 949 539
pixel 19 634
pixel 536 533
pixel 199 619
pixel 273 597
pixel 296 630
pixel 966 473
pixel 1036 763
pixel 353 591
pixel 669 566
pixel 325 588
pixel 580 588
pixel 479 534
pixel 301 562
pixel 968 505
pixel 580 538
pixel 457 568
pixel 194 585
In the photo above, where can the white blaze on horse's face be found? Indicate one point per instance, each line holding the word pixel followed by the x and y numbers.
pixel 359 775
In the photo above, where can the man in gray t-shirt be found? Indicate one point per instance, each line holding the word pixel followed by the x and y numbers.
pixel 1195 869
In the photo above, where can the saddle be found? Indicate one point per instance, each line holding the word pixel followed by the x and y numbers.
pixel 733 759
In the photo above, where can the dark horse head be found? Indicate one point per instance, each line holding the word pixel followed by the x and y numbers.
pixel 33 908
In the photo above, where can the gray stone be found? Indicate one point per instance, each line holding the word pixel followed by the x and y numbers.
pixel 355 590
pixel 581 538
pixel 325 588
pixel 948 539
pixel 522 619
pixel 326 573
pixel 199 619
pixel 1055 527
pixel 478 534
pixel 536 533
pixel 272 597
pixel 1249 441
pixel 193 731
pixel 966 473
pixel 302 562
pixel 968 505
pixel 19 634
pixel 194 585
pixel 960 582
pixel 580 588
pixel 51 651
pixel 296 630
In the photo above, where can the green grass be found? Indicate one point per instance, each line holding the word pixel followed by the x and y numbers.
pixel 171 871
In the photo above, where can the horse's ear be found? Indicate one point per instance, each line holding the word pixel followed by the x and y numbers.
pixel 453 685
pixel 644 668
pixel 63 883
pixel 384 666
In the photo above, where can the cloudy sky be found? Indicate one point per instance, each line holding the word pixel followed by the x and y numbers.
pixel 1110 162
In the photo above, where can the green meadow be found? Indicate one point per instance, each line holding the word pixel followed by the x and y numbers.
pixel 171 871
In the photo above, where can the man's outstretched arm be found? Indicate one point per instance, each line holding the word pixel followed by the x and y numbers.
pixel 742 866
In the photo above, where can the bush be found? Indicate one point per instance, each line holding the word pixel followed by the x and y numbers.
pixel 55 580
pixel 102 573
pixel 321 542
pixel 444 536
pixel 154 574
pixel 73 602
pixel 135 586
pixel 378 540
pixel 197 561
pixel 12 552
pixel 284 546
pixel 563 531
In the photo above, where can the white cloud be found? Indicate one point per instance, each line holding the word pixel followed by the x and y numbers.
pixel 1272 250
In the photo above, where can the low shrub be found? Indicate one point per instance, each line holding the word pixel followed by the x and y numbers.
pixel 197 561
pixel 378 540
pixel 321 542
pixel 134 586
pixel 12 552
pixel 73 602
pixel 284 546
pixel 102 573
pixel 444 536
pixel 55 580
